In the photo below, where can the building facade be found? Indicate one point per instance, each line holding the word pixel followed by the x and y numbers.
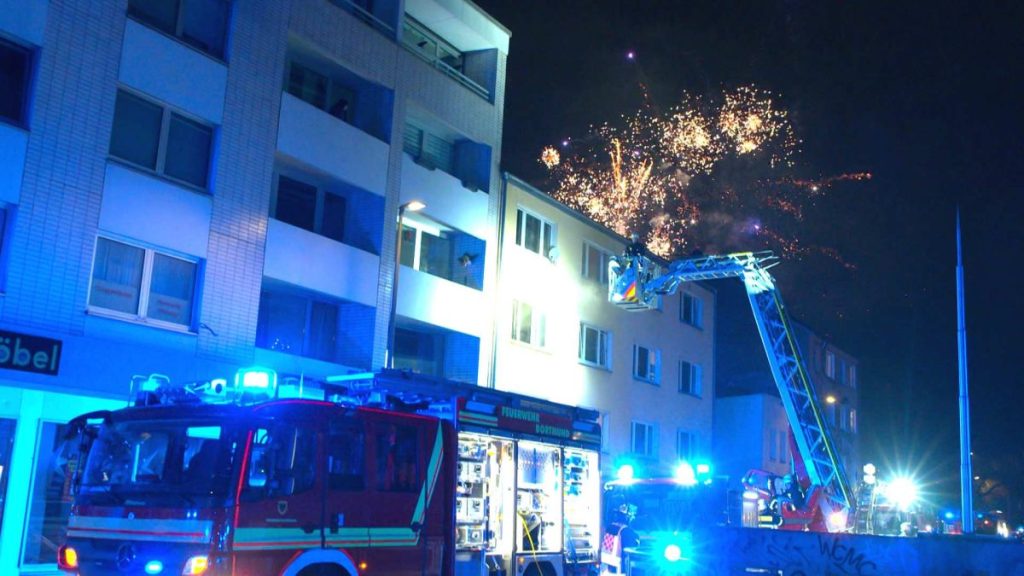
pixel 649 374
pixel 192 187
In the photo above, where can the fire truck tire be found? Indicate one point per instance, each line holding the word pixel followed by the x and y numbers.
pixel 323 570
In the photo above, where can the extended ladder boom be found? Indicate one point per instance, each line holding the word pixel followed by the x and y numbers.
pixel 634 284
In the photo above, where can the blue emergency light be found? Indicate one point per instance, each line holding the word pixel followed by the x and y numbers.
pixel 256 380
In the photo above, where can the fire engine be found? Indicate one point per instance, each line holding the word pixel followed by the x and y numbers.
pixel 818 496
pixel 368 474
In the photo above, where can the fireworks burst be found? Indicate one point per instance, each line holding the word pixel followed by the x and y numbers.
pixel 701 176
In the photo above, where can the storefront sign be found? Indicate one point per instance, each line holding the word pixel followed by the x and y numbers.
pixel 514 419
pixel 29 353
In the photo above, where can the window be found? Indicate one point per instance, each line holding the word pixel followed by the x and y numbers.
pixel 686 444
pixel 690 379
pixel 691 310
pixel 153 137
pixel 298 324
pixel 595 263
pixel 852 381
pixel 310 208
pixel 50 500
pixel 647 364
pixel 830 364
pixel 853 420
pixel 841 371
pixel 201 24
pixel 282 462
pixel 534 234
pixel 844 418
pixel 346 464
pixel 528 324
pixel 594 345
pixel 15 71
pixel 428 149
pixel 397 458
pixel 643 438
pixel 320 90
pixel 142 284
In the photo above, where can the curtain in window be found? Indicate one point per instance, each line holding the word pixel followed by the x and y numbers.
pixel 117 276
pixel 171 290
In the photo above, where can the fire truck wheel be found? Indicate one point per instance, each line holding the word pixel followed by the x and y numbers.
pixel 323 570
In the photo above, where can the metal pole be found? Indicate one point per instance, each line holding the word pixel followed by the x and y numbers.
pixel 966 475
pixel 394 289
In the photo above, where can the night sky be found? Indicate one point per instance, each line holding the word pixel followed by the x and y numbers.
pixel 927 97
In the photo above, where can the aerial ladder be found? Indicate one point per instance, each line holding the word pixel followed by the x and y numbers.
pixel 636 281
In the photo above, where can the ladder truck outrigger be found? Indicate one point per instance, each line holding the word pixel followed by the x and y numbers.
pixel 635 282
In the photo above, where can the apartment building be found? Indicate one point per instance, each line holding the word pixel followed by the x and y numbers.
pixel 191 187
pixel 649 374
pixel 751 429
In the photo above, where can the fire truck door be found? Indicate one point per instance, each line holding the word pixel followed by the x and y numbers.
pixel 281 503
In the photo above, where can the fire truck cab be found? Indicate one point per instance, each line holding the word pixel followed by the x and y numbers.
pixel 351 479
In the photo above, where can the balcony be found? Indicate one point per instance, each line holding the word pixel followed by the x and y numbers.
pixel 432 300
pixel 448 199
pixel 450 61
pixel 318 139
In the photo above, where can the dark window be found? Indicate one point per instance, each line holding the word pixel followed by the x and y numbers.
pixel 307 85
pixel 296 203
pixel 397 458
pixel 346 461
pixel 199 23
pixel 15 65
pixel 691 310
pixel 282 462
pixel 148 135
pixel 298 325
pixel 332 224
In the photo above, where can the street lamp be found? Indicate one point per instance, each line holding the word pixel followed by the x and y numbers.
pixel 410 206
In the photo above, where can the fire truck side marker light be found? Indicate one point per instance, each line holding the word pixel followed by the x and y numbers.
pixel 154 567
pixel 195 566
pixel 69 557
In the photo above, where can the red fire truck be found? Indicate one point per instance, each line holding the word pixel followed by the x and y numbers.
pixel 375 474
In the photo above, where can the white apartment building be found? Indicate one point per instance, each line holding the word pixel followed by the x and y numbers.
pixel 188 187
pixel 649 374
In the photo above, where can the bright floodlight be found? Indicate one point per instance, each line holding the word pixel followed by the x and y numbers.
pixel 902 492
pixel 673 553
pixel 625 472
pixel 685 474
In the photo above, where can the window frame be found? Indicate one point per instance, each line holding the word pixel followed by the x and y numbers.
pixel 650 448
pixel 691 444
pixel 694 377
pixel 538 324
pixel 309 301
pixel 319 206
pixel 604 257
pixel 652 372
pixel 22 121
pixel 691 314
pixel 145 287
pixel 830 364
pixel 548 239
pixel 334 91
pixel 605 338
pixel 167 114
pixel 179 28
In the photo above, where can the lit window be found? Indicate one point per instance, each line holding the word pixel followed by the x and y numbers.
pixel 310 208
pixel 443 252
pixel 647 364
pixel 142 284
pixel 830 364
pixel 595 263
pixel 690 379
pixel 594 346
pixel 528 324
pixel 201 24
pixel 15 71
pixel 534 233
pixel 691 310
pixel 153 137
pixel 298 324
pixel 643 439
pixel 686 443
pixel 853 420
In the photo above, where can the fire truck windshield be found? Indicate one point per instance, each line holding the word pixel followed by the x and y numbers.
pixel 159 462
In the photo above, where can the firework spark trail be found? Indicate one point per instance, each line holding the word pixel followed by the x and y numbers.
pixel 697 176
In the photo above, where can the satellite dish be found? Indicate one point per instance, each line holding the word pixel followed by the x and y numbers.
pixel 553 253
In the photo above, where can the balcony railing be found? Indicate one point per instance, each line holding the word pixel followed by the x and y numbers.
pixel 433 50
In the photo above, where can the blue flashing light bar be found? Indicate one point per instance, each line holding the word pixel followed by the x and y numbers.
pixel 256 380
pixel 625 472
pixel 154 567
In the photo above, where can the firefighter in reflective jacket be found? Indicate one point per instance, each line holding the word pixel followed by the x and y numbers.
pixel 618 537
